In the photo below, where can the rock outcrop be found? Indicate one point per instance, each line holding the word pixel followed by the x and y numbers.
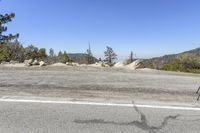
pixel 35 62
pixel 42 63
pixel 28 62
pixel 136 64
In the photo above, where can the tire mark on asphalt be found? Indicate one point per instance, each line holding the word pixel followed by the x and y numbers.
pixel 98 88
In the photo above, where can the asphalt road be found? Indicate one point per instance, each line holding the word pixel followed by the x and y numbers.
pixel 99 85
pixel 69 118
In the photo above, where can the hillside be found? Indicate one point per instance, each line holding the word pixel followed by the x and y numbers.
pixel 79 57
pixel 159 62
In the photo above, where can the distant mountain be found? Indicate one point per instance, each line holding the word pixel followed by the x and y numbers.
pixel 158 62
pixel 79 57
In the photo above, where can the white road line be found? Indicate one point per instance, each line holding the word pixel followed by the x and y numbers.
pixel 101 104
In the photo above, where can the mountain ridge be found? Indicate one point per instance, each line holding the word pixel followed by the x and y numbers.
pixel 79 57
pixel 158 62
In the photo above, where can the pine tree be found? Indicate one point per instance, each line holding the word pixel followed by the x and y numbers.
pixel 3 20
pixel 5 51
pixel 63 57
pixel 51 52
pixel 110 56
pixel 42 53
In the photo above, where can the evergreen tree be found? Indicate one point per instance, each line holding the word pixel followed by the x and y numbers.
pixel 110 56
pixel 63 57
pixel 31 52
pixel 42 53
pixel 3 20
pixel 51 52
pixel 5 51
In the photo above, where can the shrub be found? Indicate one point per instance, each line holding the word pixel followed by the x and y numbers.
pixel 184 63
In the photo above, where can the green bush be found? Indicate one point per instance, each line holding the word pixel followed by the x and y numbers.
pixel 63 57
pixel 184 63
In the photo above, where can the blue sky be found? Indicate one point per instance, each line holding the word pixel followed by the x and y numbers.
pixel 147 27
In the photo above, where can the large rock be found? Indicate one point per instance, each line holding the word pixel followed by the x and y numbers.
pixel 28 62
pixel 59 64
pixel 4 62
pixel 136 64
pixel 106 65
pixel 75 64
pixel 14 62
pixel 42 63
pixel 119 64
pixel 69 63
pixel 35 62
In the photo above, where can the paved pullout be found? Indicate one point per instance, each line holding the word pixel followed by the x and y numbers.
pixel 102 83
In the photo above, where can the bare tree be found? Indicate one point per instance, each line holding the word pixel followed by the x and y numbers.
pixel 131 57
pixel 89 56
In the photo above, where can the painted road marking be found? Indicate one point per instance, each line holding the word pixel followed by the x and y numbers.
pixel 101 104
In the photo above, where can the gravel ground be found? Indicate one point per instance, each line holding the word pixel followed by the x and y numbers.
pixel 93 82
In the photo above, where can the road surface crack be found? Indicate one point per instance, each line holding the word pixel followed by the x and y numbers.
pixel 142 124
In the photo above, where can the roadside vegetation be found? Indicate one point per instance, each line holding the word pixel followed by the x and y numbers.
pixel 11 50
pixel 186 62
pixel 110 56
pixel 130 60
